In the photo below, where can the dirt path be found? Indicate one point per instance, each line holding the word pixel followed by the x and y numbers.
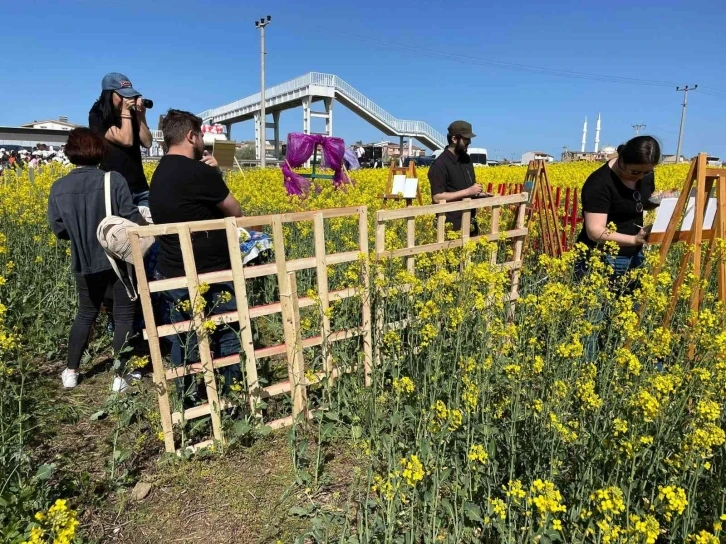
pixel 242 496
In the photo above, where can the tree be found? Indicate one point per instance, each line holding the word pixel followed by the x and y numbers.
pixel 246 153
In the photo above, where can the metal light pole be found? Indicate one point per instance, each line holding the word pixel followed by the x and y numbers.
pixel 261 24
pixel 683 90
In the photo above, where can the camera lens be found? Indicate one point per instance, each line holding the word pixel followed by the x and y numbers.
pixel 148 104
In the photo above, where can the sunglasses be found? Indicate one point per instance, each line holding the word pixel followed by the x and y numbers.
pixel 638 202
pixel 635 172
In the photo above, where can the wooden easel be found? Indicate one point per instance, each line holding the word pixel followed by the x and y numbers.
pixel 537 184
pixel 704 180
pixel 410 172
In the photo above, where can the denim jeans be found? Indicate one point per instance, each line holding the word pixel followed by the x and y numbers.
pixel 620 264
pixel 141 198
pixel 223 341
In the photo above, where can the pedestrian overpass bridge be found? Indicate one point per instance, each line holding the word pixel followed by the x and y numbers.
pixel 316 87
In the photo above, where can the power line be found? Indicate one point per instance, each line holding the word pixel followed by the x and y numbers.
pixel 479 61
pixel 638 128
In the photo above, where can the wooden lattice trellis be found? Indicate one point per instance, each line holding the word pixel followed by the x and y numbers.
pixel 289 303
pixel 518 234
pixel 288 306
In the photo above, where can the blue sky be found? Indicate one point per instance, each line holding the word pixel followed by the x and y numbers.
pixel 196 55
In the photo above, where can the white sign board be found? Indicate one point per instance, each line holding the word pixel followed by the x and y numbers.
pixel 408 187
pixel 668 206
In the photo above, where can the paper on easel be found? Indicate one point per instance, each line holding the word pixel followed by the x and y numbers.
pixel 399 184
pixel 411 188
pixel 408 187
pixel 668 206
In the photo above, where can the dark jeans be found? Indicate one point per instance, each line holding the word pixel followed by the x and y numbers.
pixel 141 198
pixel 223 341
pixel 621 265
pixel 91 290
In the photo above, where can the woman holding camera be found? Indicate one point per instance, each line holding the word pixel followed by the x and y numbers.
pixel 119 115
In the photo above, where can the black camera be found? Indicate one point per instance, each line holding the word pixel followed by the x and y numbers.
pixel 148 104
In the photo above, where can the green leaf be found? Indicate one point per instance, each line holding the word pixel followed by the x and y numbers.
pixel 45 472
pixel 356 431
pixel 98 415
pixel 473 512
pixel 300 511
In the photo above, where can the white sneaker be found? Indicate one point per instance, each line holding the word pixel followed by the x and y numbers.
pixel 69 378
pixel 119 385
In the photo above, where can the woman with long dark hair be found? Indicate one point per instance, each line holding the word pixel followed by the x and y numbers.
pixel 119 115
pixel 618 193
pixel 75 208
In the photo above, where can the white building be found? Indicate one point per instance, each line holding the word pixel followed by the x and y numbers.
pixel 51 124
pixel 535 156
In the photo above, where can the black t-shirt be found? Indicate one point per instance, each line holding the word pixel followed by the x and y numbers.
pixel 603 192
pixel 451 173
pixel 183 189
pixel 124 160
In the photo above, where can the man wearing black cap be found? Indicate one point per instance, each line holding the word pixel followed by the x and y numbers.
pixel 452 175
pixel 119 115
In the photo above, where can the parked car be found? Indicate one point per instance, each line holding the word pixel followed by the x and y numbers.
pixel 419 161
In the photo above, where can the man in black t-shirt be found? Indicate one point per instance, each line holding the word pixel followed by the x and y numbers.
pixel 184 188
pixel 452 175
pixel 119 115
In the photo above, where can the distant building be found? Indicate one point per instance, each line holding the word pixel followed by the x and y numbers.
pixel 671 159
pixel 589 156
pixel 51 124
pixel 536 156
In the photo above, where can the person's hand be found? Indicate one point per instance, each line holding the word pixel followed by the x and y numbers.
pixel 210 160
pixel 140 108
pixel 128 104
pixel 642 236
pixel 475 190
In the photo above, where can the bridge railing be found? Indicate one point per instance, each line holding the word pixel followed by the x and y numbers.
pixel 416 128
pixel 270 93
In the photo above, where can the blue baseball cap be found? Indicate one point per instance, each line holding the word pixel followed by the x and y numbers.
pixel 119 83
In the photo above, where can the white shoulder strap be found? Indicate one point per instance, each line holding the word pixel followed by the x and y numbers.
pixel 107 193
pixel 107 197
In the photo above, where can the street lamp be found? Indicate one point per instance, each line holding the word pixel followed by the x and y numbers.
pixel 261 24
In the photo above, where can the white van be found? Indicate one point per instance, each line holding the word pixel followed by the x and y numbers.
pixel 478 155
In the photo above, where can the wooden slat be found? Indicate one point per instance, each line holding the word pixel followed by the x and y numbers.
pixel 367 324
pixel 716 173
pixel 450 244
pixel 255 311
pixel 245 222
pixel 243 314
pixel 196 368
pixel 517 257
pixel 181 282
pixel 701 200
pixel 466 223
pixel 210 381
pixel 433 209
pixel 157 361
pixel 721 229
pixel 322 282
pixel 496 212
pixel 293 341
pixel 680 236
pixel 411 242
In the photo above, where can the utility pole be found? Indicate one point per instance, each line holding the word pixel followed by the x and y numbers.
pixel 638 128
pixel 261 24
pixel 683 90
